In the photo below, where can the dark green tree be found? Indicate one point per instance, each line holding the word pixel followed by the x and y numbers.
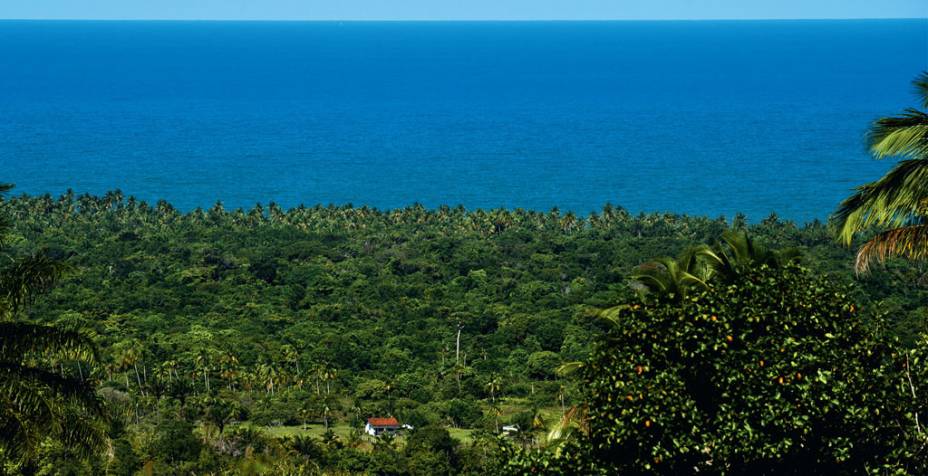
pixel 44 392
pixel 775 373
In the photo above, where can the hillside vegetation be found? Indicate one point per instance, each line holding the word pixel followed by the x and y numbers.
pixel 215 324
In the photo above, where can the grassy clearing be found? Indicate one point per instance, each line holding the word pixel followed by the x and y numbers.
pixel 508 408
pixel 315 431
pixel 461 434
pixel 344 432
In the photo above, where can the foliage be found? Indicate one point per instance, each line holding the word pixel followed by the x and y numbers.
pixel 238 322
pixel 47 402
pixel 774 373
pixel 898 200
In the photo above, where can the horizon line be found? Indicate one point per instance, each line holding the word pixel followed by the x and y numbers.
pixel 461 20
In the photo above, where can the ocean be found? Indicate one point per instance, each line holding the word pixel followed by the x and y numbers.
pixel 709 118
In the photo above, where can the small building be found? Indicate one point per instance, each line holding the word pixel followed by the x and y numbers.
pixel 379 426
pixel 510 429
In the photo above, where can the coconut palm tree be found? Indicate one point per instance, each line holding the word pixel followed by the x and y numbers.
pixel 695 269
pixel 674 278
pixel 493 387
pixel 898 201
pixel 38 398
pixel 738 252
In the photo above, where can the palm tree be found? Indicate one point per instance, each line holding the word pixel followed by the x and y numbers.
pixel 898 200
pixel 202 361
pixel 493 386
pixel 738 252
pixel 698 266
pixel 229 369
pixel 673 278
pixel 38 398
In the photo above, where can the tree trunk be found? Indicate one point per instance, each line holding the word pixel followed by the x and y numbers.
pixel 457 349
pixel 138 378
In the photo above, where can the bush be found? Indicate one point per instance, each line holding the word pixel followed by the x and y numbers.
pixel 775 370
pixel 541 365
pixel 464 412
pixel 175 442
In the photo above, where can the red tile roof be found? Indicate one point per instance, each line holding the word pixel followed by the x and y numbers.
pixel 383 421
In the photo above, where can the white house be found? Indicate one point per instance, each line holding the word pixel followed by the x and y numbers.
pixel 379 426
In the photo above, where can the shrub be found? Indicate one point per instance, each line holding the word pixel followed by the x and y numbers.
pixel 771 373
pixel 774 370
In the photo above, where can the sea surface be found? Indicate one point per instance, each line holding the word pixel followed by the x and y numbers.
pixel 710 118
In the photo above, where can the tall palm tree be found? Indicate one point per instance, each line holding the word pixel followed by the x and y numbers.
pixel 38 399
pixel 898 200
pixel 493 386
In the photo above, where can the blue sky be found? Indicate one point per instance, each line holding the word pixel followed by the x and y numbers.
pixel 460 9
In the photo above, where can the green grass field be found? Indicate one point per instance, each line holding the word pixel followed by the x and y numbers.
pixel 343 432
pixel 315 431
pixel 508 407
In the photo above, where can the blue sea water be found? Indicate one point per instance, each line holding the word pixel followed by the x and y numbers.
pixel 695 117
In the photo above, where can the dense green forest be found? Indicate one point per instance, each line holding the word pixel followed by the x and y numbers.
pixel 260 341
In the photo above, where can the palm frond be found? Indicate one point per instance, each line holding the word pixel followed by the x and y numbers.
pixel 35 404
pixel 568 368
pixel 22 432
pixel 610 316
pixel 15 440
pixel 25 278
pixel 668 276
pixel 84 431
pixel 711 259
pixel 737 251
pixel 921 88
pixel 18 339
pixel 31 389
pixel 575 418
pixel 652 278
pixel 896 199
pixel 908 242
pixel 905 135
